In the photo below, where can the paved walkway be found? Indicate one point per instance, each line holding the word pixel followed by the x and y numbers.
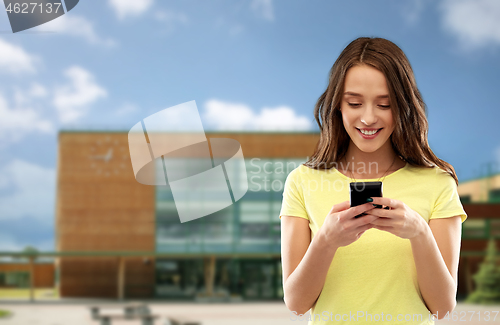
pixel 261 313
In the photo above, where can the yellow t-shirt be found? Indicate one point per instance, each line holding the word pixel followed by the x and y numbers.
pixel 374 278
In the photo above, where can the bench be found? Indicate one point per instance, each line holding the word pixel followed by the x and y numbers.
pixel 146 319
pixel 130 310
pixel 179 321
pixel 107 313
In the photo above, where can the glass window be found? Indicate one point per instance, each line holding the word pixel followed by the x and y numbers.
pixel 255 211
pixel 276 209
pixel 465 199
pixel 249 225
pixel 15 279
pixel 172 232
pixel 257 233
pixel 474 228
pixel 177 279
pixel 494 195
pixel 494 228
pixel 260 279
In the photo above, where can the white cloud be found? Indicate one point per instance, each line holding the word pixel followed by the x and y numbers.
pixel 476 23
pixel 412 10
pixel 233 28
pixel 130 8
pixel 77 26
pixel 18 121
pixel 31 191
pixel 171 18
pixel 263 8
pixel 221 115
pixel 26 97
pixel 236 30
pixel 15 59
pixel 127 108
pixel 72 101
pixel 37 90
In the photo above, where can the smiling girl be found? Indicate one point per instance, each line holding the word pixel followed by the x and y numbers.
pixel 397 264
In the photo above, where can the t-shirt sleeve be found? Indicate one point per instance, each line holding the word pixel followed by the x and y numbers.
pixel 447 202
pixel 293 199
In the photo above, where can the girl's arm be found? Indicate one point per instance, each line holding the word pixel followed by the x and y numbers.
pixel 305 263
pixel 436 251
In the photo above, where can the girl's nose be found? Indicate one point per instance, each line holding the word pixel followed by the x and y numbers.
pixel 368 117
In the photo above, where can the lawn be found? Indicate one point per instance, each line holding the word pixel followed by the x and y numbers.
pixel 4 313
pixel 21 293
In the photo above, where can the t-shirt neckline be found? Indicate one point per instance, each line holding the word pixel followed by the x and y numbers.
pixel 371 179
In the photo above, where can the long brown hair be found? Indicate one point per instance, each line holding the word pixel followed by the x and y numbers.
pixel 409 138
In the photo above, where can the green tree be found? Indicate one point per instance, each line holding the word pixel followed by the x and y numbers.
pixel 27 249
pixel 487 279
pixel 30 249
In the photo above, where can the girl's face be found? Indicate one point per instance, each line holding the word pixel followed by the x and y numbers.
pixel 365 108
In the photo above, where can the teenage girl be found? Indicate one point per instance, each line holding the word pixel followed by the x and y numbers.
pixel 397 264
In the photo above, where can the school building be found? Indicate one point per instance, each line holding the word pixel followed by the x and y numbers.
pixel 233 253
pixel 116 237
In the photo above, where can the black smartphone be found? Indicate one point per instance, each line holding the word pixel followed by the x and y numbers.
pixel 360 191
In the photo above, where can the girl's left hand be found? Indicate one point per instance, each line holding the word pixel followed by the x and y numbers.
pixel 399 220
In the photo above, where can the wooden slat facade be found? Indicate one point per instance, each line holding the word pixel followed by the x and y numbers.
pixel 101 207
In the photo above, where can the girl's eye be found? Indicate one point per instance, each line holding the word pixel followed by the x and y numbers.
pixel 354 104
pixel 384 106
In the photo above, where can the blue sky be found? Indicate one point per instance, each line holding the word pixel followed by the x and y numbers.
pixel 107 64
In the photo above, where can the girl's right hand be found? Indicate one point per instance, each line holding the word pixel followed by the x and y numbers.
pixel 340 228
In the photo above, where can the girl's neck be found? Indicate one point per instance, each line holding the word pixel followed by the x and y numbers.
pixel 370 164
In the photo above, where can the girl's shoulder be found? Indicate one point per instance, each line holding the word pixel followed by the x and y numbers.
pixel 429 174
pixel 435 170
pixel 298 172
pixel 307 172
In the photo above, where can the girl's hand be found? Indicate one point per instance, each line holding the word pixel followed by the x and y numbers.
pixel 399 219
pixel 340 228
